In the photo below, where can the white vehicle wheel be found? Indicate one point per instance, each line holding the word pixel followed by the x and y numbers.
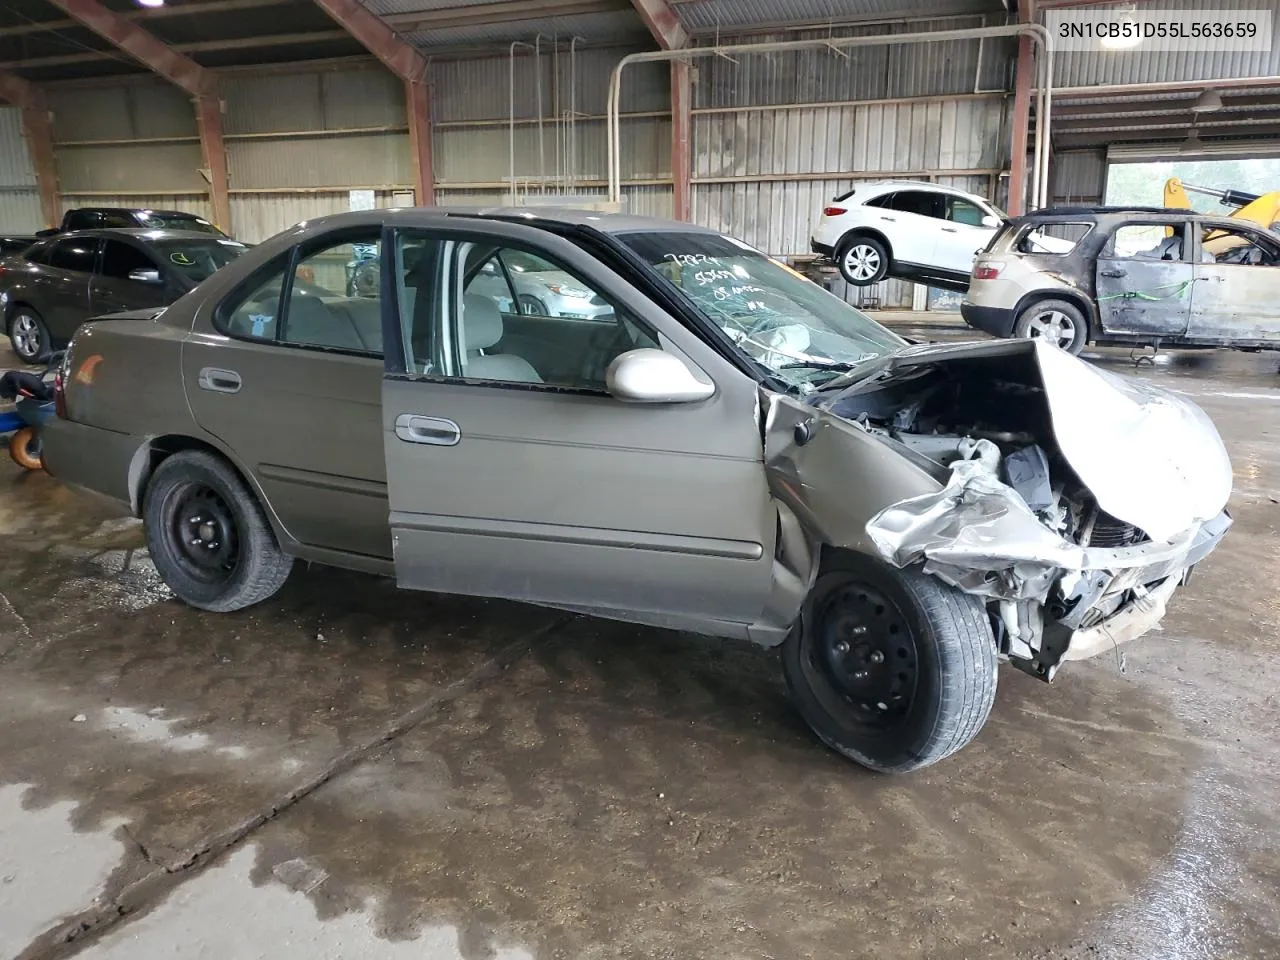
pixel 1057 321
pixel 863 261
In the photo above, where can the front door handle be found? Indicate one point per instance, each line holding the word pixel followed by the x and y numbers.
pixel 948 229
pixel 412 428
pixel 1113 273
pixel 219 381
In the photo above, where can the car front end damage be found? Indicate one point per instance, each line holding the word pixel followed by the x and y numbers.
pixel 1071 501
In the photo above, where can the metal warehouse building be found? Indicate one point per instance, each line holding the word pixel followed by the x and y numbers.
pixel 262 113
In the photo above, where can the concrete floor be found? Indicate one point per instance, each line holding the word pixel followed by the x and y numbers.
pixel 350 771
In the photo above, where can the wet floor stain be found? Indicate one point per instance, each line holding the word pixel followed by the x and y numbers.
pixel 619 791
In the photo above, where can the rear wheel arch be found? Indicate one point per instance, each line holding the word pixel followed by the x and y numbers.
pixel 869 232
pixel 155 451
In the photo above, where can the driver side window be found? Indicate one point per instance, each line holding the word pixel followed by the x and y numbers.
pixel 511 315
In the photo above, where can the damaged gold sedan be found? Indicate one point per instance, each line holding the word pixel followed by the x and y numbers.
pixel 716 445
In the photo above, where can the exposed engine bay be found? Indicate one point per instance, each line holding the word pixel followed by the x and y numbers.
pixel 1022 519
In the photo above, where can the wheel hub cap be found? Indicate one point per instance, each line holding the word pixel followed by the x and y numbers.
pixel 1054 326
pixel 26 336
pixel 862 262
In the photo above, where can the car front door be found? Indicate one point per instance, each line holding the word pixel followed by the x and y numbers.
pixel 910 220
pixel 511 479
pixel 66 292
pixel 963 235
pixel 1237 275
pixel 1144 279
pixel 129 278
pixel 290 385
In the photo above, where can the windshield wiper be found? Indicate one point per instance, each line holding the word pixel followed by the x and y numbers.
pixel 840 366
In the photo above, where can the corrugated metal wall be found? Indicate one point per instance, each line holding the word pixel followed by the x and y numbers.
pixel 775 136
pixel 19 201
pixel 1077 177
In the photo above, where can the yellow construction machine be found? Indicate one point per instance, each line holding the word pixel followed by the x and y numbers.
pixel 1260 208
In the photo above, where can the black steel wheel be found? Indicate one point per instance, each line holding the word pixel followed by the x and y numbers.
pixel 891 668
pixel 203 529
pixel 208 536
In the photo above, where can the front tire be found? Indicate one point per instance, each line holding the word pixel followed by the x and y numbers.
pixel 208 536
pixel 1060 322
pixel 891 668
pixel 863 261
pixel 28 336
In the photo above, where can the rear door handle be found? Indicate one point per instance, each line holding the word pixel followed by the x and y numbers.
pixel 948 229
pixel 890 219
pixel 219 381
pixel 1113 273
pixel 412 428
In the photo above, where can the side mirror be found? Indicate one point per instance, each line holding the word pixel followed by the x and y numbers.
pixel 653 376
pixel 990 221
pixel 146 275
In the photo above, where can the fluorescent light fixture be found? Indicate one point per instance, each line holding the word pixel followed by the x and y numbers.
pixel 151 3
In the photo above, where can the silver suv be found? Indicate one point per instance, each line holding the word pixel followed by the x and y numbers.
pixel 1145 276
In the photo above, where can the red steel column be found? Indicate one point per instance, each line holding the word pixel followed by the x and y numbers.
pixel 417 97
pixel 681 137
pixel 214 154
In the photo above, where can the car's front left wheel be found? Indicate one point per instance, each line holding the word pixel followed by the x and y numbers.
pixel 207 535
pixel 28 335
pixel 893 669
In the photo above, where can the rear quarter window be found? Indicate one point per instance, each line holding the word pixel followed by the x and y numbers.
pixel 1055 239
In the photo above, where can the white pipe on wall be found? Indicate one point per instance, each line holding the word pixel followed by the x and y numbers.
pixel 1037 32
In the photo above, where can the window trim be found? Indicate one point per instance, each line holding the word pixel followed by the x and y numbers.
pixel 392 233
pixel 293 257
pixel 1091 225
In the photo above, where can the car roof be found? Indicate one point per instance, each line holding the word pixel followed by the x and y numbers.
pixel 144 234
pixel 884 186
pixel 616 223
pixel 167 213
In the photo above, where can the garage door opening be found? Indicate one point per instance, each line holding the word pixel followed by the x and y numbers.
pixel 1143 183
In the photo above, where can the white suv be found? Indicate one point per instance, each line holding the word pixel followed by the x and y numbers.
pixel 906 229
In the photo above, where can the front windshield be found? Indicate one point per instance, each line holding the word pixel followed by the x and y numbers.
pixel 166 221
pixel 792 327
pixel 198 259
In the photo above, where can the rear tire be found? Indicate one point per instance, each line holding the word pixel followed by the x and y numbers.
pixel 28 336
pixel 208 537
pixel 25 449
pixel 891 668
pixel 1060 322
pixel 863 261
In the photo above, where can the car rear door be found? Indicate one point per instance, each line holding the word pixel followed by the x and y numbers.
pixel 290 385
pixel 1144 279
pixel 112 290
pixel 1237 275
pixel 506 480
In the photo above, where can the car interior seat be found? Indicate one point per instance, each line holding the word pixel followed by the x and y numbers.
pixel 482 329
pixel 1170 248
pixel 310 321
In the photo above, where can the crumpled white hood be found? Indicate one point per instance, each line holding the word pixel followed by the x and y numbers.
pixel 1150 457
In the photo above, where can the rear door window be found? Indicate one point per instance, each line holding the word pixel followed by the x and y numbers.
pixel 920 202
pixel 78 254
